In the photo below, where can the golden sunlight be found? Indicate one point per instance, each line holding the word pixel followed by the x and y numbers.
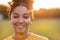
pixel 40 3
pixel 46 4
pixel 4 1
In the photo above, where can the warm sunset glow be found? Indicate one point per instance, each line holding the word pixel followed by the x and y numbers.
pixel 46 4
pixel 4 1
pixel 40 3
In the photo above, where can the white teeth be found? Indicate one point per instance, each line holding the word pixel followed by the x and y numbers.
pixel 19 26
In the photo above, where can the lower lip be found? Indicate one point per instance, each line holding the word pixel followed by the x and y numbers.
pixel 20 27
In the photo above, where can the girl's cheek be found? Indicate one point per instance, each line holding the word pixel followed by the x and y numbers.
pixel 28 21
pixel 12 21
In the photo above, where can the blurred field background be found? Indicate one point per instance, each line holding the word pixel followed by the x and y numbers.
pixel 46 27
pixel 46 23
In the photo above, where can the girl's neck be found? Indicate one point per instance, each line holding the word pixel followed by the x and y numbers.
pixel 21 36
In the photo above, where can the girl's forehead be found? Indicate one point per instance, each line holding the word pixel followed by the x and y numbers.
pixel 21 9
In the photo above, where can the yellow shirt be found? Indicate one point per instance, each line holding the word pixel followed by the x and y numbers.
pixel 30 37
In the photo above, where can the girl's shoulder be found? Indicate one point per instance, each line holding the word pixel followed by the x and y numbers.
pixel 38 37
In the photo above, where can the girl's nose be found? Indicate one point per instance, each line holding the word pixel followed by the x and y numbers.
pixel 20 20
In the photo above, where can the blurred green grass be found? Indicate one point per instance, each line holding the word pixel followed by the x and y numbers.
pixel 43 27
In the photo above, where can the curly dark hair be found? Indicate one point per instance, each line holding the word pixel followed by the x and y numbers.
pixel 15 3
pixel 27 3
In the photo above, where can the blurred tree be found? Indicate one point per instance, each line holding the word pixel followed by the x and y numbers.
pixel 57 13
pixel 3 10
pixel 48 13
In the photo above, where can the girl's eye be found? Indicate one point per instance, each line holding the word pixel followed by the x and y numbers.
pixel 26 17
pixel 15 16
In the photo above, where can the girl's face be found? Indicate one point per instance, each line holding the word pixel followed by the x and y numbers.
pixel 20 19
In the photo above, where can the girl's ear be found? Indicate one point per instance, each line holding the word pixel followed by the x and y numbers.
pixel 32 16
pixel 32 20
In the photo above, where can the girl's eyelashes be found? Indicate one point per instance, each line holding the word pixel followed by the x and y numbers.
pixel 15 16
pixel 25 16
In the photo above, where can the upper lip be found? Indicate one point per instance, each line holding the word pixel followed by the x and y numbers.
pixel 20 25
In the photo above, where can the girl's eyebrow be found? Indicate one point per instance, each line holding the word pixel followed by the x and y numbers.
pixel 15 13
pixel 26 13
